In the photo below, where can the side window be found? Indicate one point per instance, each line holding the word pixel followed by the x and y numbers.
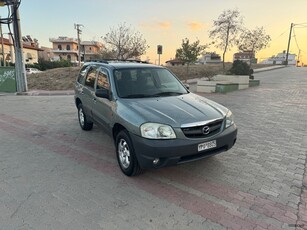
pixel 81 76
pixel 91 77
pixel 102 80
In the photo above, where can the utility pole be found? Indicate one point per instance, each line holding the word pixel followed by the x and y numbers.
pixel 287 55
pixel 79 31
pixel 21 78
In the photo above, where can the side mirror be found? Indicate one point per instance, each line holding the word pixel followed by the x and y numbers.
pixel 103 93
pixel 187 86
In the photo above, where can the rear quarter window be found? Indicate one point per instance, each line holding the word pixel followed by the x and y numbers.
pixel 82 73
pixel 91 77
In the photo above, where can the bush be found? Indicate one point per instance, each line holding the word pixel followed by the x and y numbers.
pixel 240 68
pixel 44 65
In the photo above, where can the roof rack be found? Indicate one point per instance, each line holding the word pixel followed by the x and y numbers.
pixel 107 61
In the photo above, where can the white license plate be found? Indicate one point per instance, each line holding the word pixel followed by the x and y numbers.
pixel 207 145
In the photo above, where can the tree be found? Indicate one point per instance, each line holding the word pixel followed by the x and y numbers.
pixel 189 52
pixel 124 43
pixel 253 41
pixel 239 68
pixel 225 30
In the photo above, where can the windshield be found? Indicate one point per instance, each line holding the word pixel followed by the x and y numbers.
pixel 147 82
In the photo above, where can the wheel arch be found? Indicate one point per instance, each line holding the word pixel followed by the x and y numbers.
pixel 78 102
pixel 116 129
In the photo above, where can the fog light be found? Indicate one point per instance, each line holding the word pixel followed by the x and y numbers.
pixel 156 161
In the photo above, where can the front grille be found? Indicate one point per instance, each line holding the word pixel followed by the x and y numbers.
pixel 197 131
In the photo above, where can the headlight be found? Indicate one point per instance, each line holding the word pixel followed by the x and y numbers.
pixel 157 131
pixel 229 119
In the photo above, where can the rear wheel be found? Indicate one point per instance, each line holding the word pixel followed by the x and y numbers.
pixel 125 155
pixel 84 123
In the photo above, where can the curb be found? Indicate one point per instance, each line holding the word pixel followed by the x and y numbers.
pixel 47 93
pixel 268 68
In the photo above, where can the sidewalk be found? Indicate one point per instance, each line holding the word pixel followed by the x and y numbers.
pixel 47 93
pixel 56 176
pixel 194 80
pixel 269 68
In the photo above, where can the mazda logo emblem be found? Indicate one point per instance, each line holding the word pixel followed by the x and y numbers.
pixel 206 130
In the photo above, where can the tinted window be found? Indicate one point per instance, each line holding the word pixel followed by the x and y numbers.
pixel 81 76
pixel 102 80
pixel 91 77
pixel 147 82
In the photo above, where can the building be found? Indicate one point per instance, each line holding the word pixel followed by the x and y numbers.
pixel 30 50
pixel 174 62
pixel 280 59
pixel 91 50
pixel 210 58
pixel 245 56
pixel 67 49
pixel 64 48
pixel 46 53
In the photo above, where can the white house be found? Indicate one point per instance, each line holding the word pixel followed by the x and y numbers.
pixel 280 59
pixel 210 58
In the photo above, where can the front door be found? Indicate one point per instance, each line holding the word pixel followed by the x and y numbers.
pixel 102 107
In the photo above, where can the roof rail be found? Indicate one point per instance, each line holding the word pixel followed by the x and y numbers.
pixel 107 61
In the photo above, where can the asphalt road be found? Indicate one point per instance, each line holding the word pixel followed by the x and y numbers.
pixel 53 175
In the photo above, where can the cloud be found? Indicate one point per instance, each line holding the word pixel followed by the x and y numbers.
pixel 164 25
pixel 194 26
pixel 157 25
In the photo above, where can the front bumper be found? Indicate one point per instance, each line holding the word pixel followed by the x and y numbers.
pixel 177 151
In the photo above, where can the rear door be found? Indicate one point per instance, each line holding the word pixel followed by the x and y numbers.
pixel 88 90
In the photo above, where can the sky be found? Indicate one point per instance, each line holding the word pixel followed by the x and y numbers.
pixel 164 22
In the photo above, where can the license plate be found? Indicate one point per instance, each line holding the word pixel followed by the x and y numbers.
pixel 207 145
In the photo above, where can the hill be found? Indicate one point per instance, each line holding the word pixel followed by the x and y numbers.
pixel 63 78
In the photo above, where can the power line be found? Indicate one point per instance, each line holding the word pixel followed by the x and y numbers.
pixel 304 23
pixel 294 35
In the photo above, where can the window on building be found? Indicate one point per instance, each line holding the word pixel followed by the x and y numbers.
pixel 60 47
pixel 67 47
pixel 68 57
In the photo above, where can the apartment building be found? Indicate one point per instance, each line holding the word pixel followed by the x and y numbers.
pixel 67 48
pixel 30 50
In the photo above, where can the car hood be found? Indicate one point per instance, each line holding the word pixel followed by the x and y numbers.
pixel 174 110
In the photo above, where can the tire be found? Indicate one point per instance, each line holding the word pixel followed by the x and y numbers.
pixel 84 123
pixel 125 155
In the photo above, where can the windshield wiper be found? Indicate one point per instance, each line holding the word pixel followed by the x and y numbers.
pixel 166 94
pixel 136 96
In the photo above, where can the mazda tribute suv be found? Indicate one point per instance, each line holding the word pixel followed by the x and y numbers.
pixel 152 117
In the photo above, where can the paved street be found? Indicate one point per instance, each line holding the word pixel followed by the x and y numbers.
pixel 53 175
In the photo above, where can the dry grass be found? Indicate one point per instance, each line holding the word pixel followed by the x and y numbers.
pixel 54 79
pixel 198 71
pixel 63 78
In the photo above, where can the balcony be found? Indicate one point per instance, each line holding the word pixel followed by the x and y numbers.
pixel 64 51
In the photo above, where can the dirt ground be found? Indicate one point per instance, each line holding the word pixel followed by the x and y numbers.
pixel 63 78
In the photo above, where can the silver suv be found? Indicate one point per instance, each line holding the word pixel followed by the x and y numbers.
pixel 153 118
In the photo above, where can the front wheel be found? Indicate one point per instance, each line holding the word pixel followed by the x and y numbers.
pixel 125 155
pixel 84 123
